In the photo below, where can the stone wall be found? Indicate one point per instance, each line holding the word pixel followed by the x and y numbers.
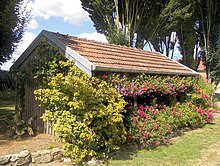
pixel 35 158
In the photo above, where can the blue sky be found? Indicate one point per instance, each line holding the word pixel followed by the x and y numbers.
pixel 63 16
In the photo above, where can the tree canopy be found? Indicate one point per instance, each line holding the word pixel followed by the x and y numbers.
pixel 136 23
pixel 13 20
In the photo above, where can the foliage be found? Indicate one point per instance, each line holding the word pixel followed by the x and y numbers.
pixel 128 17
pixel 117 38
pixel 164 105
pixel 140 21
pixel 46 64
pixel 214 63
pixel 84 111
pixel 13 20
pixel 152 125
pixel 159 88
pixel 6 80
pixel 207 29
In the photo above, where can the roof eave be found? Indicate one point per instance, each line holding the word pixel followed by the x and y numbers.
pixel 174 61
pixel 128 70
pixel 81 62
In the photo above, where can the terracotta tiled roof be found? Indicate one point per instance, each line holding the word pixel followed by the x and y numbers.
pixel 121 57
pixel 93 56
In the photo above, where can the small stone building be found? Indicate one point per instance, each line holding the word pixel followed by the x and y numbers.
pixel 93 57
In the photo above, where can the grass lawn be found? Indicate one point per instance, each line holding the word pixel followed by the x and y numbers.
pixel 7 109
pixel 185 150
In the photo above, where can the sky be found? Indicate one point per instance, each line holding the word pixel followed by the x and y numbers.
pixel 63 16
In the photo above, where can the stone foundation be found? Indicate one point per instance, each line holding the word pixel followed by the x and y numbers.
pixel 27 158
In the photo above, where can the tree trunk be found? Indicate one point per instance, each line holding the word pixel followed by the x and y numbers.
pixel 117 16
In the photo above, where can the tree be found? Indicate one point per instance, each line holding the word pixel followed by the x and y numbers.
pixel 139 22
pixel 214 63
pixel 13 20
pixel 6 80
pixel 122 19
pixel 208 22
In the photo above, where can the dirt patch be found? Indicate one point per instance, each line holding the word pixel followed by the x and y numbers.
pixel 32 143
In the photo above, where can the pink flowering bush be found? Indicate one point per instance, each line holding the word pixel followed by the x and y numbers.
pixel 152 125
pixel 163 105
pixel 148 126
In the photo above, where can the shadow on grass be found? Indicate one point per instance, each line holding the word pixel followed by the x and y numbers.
pixel 129 151
pixel 126 152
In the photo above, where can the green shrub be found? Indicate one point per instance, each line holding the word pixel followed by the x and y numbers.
pixel 85 112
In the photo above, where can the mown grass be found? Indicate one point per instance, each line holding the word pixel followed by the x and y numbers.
pixel 184 150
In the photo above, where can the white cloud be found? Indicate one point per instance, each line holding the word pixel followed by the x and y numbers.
pixel 70 10
pixel 27 40
pixel 93 36
pixel 33 24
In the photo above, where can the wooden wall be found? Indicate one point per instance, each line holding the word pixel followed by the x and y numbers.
pixel 32 111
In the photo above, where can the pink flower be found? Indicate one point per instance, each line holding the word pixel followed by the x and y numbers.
pixel 204 96
pixel 147 116
pixel 157 143
pixel 141 113
pixel 104 76
pixel 155 126
pixel 140 132
pixel 141 107
pixel 190 104
pixel 195 109
pixel 135 120
pixel 210 116
pixel 201 111
pixel 180 113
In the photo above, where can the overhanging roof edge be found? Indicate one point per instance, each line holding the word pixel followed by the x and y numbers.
pixel 111 69
pixel 80 61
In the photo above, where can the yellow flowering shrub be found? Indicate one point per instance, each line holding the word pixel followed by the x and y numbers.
pixel 86 113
